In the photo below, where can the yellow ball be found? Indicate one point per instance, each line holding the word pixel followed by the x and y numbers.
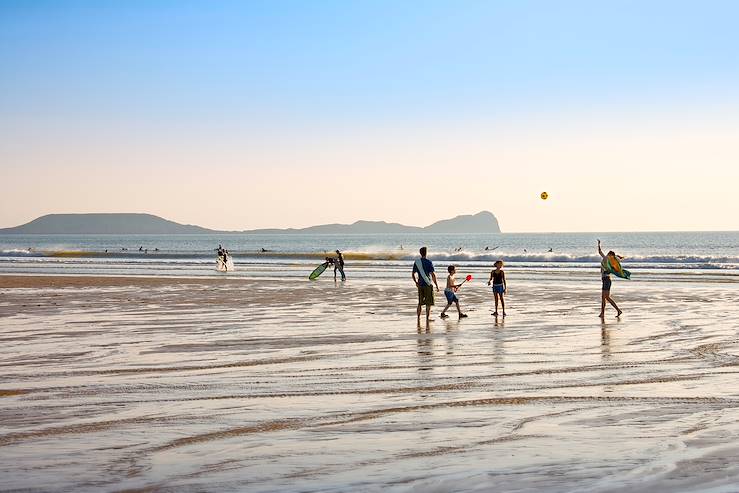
pixel 544 195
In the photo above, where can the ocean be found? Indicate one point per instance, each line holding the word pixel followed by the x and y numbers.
pixel 656 256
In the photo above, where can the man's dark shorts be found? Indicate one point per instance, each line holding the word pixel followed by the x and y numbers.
pixel 426 295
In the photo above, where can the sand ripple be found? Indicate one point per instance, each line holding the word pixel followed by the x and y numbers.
pixel 233 385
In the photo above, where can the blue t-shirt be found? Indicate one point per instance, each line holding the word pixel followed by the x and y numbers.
pixel 428 267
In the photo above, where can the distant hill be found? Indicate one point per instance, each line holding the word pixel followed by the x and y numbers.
pixel 117 223
pixel 81 224
pixel 482 222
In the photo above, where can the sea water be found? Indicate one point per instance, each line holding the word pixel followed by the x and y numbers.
pixel 711 255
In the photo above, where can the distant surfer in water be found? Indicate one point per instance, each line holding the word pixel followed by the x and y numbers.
pixel 222 257
pixel 605 276
pixel 423 276
pixel 339 265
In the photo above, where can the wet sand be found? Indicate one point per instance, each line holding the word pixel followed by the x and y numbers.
pixel 242 385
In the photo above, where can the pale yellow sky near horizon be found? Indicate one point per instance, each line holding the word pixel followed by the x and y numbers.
pixel 624 170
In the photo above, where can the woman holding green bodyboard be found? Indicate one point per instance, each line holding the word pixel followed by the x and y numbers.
pixel 610 264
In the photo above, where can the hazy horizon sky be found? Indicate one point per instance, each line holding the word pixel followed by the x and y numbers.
pixel 242 115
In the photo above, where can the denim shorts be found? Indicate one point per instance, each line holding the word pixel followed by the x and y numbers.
pixel 450 296
pixel 499 288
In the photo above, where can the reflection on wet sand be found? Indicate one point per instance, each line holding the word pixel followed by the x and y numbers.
pixel 605 343
pixel 135 384
pixel 425 350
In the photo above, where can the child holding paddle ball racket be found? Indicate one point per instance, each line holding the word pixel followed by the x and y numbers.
pixel 451 292
pixel 497 276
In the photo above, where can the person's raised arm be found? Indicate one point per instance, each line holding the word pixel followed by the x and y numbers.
pixel 600 251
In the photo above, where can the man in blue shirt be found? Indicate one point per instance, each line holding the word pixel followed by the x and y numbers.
pixel 423 275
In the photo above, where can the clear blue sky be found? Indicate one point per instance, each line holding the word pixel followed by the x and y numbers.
pixel 281 68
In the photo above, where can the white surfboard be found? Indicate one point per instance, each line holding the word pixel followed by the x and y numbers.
pixel 227 266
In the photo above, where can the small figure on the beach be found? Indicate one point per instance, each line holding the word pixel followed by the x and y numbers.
pixel 450 291
pixel 424 276
pixel 605 274
pixel 500 286
pixel 339 265
pixel 156 249
pixel 550 250
pixel 222 259
pixel 141 248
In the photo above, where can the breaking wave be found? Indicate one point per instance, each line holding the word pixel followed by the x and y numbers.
pixel 372 254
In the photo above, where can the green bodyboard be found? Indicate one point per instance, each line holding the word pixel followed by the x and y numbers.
pixel 611 265
pixel 318 271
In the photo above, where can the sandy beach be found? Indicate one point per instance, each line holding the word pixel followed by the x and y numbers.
pixel 241 385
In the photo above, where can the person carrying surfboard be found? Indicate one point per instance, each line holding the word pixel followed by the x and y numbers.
pixel 610 265
pixel 423 276
pixel 339 265
pixel 319 270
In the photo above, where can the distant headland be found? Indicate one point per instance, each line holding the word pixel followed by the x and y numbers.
pixel 126 223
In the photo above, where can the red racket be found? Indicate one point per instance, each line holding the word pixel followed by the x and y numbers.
pixel 468 278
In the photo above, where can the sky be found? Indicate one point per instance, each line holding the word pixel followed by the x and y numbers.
pixel 286 113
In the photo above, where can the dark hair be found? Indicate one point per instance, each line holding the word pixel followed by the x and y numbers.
pixel 611 252
pixel 338 252
pixel 451 269
pixel 422 251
